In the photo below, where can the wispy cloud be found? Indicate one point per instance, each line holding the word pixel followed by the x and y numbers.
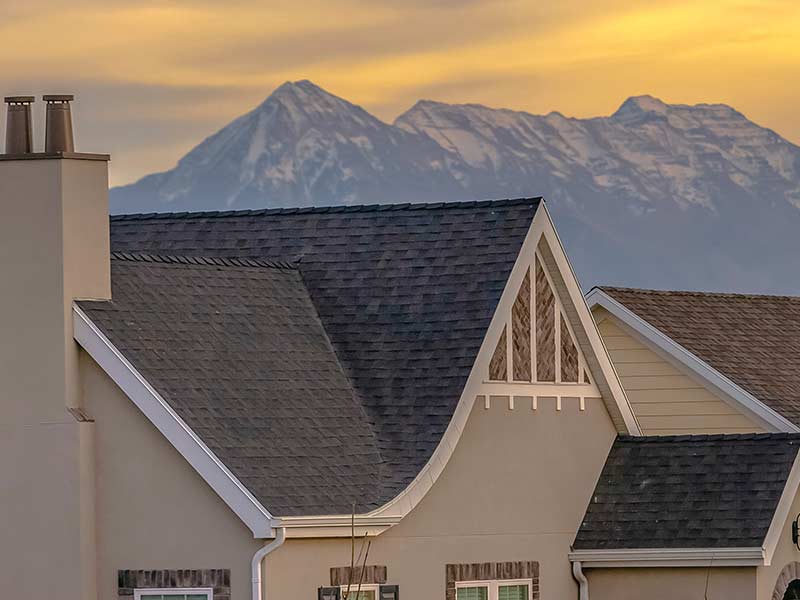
pixel 155 77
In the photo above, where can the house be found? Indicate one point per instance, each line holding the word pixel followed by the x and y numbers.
pixel 244 405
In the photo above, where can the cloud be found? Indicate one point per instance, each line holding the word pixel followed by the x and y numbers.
pixel 154 77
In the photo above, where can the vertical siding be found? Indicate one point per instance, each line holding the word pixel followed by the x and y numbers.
pixel 664 400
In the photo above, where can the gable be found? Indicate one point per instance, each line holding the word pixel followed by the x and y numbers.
pixel 712 346
pixel 537 343
pixel 664 398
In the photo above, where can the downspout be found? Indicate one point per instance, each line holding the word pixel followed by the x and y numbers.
pixel 258 558
pixel 583 583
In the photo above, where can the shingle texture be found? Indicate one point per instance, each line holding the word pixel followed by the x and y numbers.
pixel 752 340
pixel 716 491
pixel 404 295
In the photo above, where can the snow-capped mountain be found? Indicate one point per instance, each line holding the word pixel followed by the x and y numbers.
pixel 654 195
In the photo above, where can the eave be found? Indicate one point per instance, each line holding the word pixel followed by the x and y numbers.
pixel 669 557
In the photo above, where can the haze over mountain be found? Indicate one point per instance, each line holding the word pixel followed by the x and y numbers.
pixel 657 195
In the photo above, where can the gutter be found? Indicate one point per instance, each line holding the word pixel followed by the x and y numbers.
pixel 583 583
pixel 258 559
pixel 669 557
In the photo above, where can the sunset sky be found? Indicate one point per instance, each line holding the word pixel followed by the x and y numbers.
pixel 155 78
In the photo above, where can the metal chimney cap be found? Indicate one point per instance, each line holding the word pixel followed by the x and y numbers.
pixel 19 99
pixel 58 98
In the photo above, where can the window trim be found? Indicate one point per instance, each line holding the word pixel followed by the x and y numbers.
pixel 494 586
pixel 365 587
pixel 209 592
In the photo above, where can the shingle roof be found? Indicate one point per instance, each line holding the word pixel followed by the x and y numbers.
pixel 752 340
pixel 237 349
pixel 404 294
pixel 707 491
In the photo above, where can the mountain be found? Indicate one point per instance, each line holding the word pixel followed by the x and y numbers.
pixel 656 195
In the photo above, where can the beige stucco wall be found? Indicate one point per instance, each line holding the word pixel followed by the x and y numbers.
pixel 732 583
pixel 664 399
pixel 785 553
pixel 153 510
pixel 52 218
pixel 515 488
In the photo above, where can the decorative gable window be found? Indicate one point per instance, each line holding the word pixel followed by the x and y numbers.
pixel 537 343
pixel 173 594
pixel 494 590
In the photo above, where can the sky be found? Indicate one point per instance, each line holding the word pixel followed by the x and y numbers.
pixel 153 79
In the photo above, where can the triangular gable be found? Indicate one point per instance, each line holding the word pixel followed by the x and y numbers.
pixel 537 343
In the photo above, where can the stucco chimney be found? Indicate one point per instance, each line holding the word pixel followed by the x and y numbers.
pixel 19 127
pixel 54 249
pixel 58 130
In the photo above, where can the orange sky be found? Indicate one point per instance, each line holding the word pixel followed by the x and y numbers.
pixel 155 78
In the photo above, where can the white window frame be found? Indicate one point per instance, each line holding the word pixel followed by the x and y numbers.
pixel 209 592
pixel 495 584
pixel 365 587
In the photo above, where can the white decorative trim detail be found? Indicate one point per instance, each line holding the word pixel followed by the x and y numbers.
pixel 781 513
pixel 677 557
pixel 725 388
pixel 167 421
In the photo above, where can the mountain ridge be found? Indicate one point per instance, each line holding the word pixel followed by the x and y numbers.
pixel 616 185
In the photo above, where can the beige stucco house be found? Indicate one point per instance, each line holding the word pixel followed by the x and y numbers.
pixel 212 406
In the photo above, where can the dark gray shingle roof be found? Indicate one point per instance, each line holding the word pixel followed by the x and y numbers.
pixel 237 349
pixel 706 491
pixel 404 293
pixel 753 340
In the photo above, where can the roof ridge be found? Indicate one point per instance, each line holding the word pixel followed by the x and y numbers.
pixel 353 208
pixel 202 260
pixel 699 294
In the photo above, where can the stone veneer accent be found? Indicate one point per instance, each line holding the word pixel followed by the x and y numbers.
pixel 219 579
pixel 489 571
pixel 789 573
pixel 372 574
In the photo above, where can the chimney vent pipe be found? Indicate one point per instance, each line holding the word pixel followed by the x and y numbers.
pixel 58 129
pixel 19 126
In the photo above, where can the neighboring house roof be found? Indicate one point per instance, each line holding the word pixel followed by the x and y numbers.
pixel 752 341
pixel 404 295
pixel 689 492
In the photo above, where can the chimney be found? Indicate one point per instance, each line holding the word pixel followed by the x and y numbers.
pixel 19 127
pixel 54 249
pixel 58 129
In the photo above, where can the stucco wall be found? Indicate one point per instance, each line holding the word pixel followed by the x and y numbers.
pixel 515 488
pixel 732 583
pixel 153 510
pixel 664 399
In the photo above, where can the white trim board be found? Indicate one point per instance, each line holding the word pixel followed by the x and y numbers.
pixel 167 421
pixel 781 513
pixel 722 386
pixel 677 557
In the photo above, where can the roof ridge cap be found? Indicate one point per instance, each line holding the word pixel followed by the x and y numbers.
pixel 202 260
pixel 654 292
pixel 353 208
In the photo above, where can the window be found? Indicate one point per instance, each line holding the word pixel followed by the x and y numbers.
pixel 174 594
pixel 368 592
pixel 493 590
